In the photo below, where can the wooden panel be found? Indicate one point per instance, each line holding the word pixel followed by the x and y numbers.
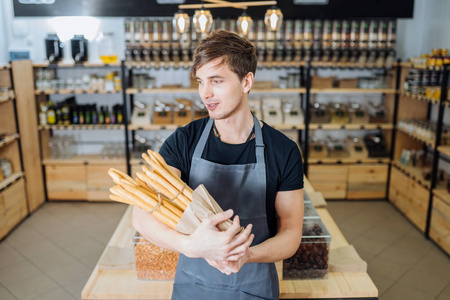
pixel 8 119
pixel 15 201
pixel 3 227
pixel 409 197
pixel 367 181
pixel 13 206
pixel 331 181
pixel 27 119
pixel 66 182
pixel 442 241
pixel 99 182
pixel 5 78
pixel 440 223
pixel 411 109
pixel 442 206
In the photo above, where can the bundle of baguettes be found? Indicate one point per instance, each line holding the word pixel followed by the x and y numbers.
pixel 157 190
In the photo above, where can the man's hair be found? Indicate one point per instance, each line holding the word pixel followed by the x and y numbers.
pixel 237 52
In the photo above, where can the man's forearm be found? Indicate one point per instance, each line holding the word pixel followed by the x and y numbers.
pixel 283 245
pixel 158 233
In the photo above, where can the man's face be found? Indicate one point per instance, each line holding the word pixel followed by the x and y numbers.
pixel 220 89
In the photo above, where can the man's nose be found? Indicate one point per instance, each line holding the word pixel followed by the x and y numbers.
pixel 206 92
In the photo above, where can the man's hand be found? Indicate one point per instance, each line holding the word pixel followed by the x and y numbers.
pixel 229 267
pixel 214 245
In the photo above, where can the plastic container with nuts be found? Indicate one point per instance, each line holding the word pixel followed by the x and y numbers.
pixel 309 211
pixel 311 259
pixel 153 262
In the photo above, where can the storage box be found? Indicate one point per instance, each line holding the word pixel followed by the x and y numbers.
pixel 153 262
pixel 183 112
pixel 162 114
pixel 322 82
pixel 348 83
pixel 311 259
pixel 272 111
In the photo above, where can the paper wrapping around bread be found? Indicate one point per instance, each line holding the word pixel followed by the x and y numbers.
pixel 202 206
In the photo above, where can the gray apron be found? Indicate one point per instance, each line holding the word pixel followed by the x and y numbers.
pixel 243 189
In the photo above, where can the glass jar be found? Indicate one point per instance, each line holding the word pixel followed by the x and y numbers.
pixel 108 53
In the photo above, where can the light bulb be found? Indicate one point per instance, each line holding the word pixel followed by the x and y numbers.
pixel 181 22
pixel 202 20
pixel 273 18
pixel 244 23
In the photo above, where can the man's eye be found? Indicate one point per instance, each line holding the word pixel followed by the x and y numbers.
pixel 217 81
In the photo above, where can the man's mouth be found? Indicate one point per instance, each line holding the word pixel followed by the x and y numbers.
pixel 212 106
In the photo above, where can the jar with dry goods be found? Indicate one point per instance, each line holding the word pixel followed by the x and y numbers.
pixel 153 262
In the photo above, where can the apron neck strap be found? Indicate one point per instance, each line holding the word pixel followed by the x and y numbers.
pixel 258 140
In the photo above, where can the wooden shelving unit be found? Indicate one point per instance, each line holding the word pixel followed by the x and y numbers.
pixel 420 97
pixel 9 139
pixel 415 173
pixel 422 201
pixel 133 91
pixel 352 91
pixel 428 143
pixel 76 92
pixel 74 65
pixel 348 160
pixel 13 196
pixel 370 126
pixel 83 127
pixel 84 159
pixel 10 179
pixel 82 177
pixel 444 150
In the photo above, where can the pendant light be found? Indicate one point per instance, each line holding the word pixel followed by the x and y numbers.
pixel 244 23
pixel 202 20
pixel 181 22
pixel 273 18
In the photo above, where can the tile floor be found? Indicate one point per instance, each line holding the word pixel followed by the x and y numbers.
pixel 51 254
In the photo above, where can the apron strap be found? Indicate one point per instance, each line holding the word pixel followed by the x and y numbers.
pixel 259 144
pixel 202 142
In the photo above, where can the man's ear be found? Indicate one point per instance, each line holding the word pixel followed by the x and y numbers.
pixel 247 82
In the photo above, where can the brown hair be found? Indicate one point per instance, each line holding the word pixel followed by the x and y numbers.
pixel 237 52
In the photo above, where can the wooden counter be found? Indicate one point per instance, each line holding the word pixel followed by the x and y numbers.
pixel 120 282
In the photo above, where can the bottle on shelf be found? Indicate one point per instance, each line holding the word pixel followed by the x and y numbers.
pixel 108 53
pixel 51 114
pixel 94 114
pixel 43 108
pixel 107 115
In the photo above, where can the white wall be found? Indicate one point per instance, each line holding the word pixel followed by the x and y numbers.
pixel 427 30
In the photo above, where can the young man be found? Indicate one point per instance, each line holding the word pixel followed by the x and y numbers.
pixel 251 170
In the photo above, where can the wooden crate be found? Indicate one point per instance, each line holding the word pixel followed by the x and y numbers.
pixel 367 181
pixel 66 182
pixel 440 223
pixel 13 206
pixel 330 180
pixel 98 181
pixel 409 197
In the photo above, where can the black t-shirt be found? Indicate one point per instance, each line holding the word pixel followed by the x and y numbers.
pixel 284 167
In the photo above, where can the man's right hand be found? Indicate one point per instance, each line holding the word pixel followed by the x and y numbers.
pixel 214 245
